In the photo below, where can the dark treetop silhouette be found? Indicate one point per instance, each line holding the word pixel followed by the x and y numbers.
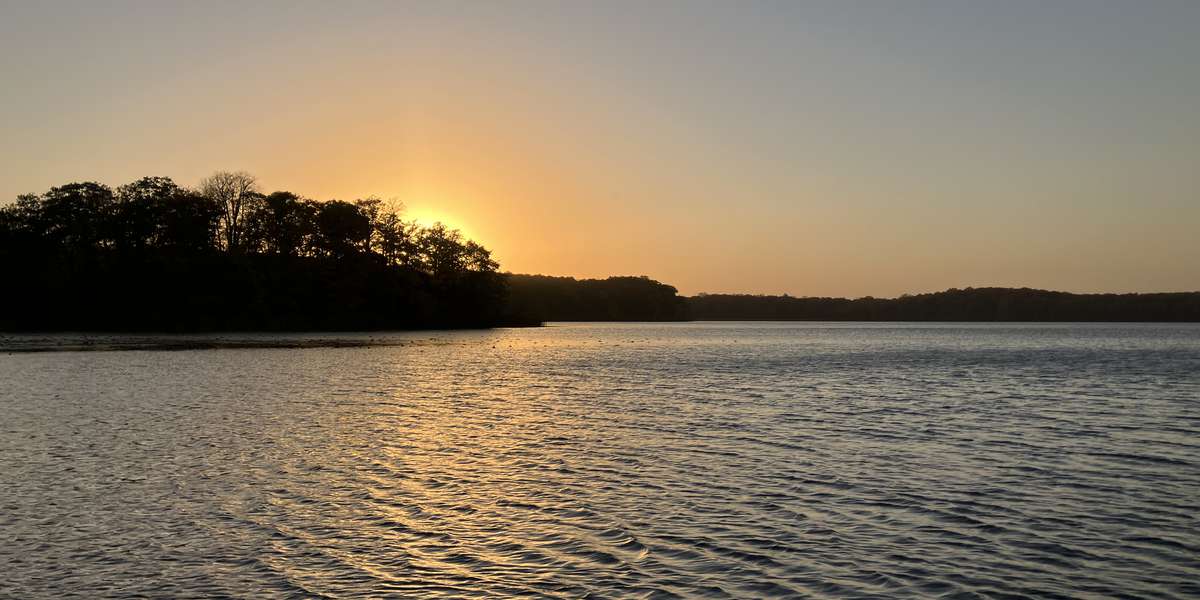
pixel 544 298
pixel 153 256
pixel 970 304
pixel 641 299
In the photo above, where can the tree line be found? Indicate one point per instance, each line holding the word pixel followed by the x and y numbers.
pixel 154 255
pixel 534 298
pixel 643 299
pixel 970 304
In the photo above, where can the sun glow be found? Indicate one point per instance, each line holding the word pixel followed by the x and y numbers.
pixel 427 216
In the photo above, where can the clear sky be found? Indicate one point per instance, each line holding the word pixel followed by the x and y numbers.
pixel 814 148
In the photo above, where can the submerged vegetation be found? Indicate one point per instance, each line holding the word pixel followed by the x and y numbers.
pixel 155 256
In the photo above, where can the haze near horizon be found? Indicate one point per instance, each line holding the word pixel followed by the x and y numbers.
pixel 817 148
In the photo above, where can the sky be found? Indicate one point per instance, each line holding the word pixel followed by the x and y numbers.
pixel 841 148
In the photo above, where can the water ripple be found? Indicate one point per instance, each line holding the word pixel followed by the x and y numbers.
pixel 641 461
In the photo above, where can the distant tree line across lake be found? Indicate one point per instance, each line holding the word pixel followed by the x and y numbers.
pixel 641 299
pixel 545 298
pixel 154 256
pixel 970 304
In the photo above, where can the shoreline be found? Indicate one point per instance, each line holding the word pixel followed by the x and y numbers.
pixel 29 343
pixel 76 341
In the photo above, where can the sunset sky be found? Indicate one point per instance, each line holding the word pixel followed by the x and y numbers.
pixel 813 148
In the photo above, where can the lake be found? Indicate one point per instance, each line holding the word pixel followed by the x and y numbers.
pixel 705 460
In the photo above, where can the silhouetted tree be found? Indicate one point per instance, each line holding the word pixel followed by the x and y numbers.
pixel 188 222
pixel 76 216
pixel 281 223
pixel 396 240
pixel 154 255
pixel 23 218
pixel 442 250
pixel 478 258
pixel 231 191
pixel 373 209
pixel 344 229
pixel 134 222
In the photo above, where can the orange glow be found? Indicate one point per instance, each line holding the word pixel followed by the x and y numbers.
pixel 427 214
pixel 754 154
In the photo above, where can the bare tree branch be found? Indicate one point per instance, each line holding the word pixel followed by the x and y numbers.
pixel 230 190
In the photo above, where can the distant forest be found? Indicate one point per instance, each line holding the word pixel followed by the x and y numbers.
pixel 970 304
pixel 641 299
pixel 154 256
pixel 544 298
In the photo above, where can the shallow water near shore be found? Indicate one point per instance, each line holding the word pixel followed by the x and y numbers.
pixel 704 460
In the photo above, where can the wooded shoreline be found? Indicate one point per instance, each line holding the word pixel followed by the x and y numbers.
pixel 151 256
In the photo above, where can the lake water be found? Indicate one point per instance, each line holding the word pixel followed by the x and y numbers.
pixel 612 461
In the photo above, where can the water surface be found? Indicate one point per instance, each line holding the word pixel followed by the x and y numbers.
pixel 612 460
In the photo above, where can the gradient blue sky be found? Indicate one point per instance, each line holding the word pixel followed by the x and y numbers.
pixel 813 148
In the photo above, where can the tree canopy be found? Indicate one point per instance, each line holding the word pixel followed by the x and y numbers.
pixel 545 298
pixel 152 255
pixel 155 256
pixel 970 304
